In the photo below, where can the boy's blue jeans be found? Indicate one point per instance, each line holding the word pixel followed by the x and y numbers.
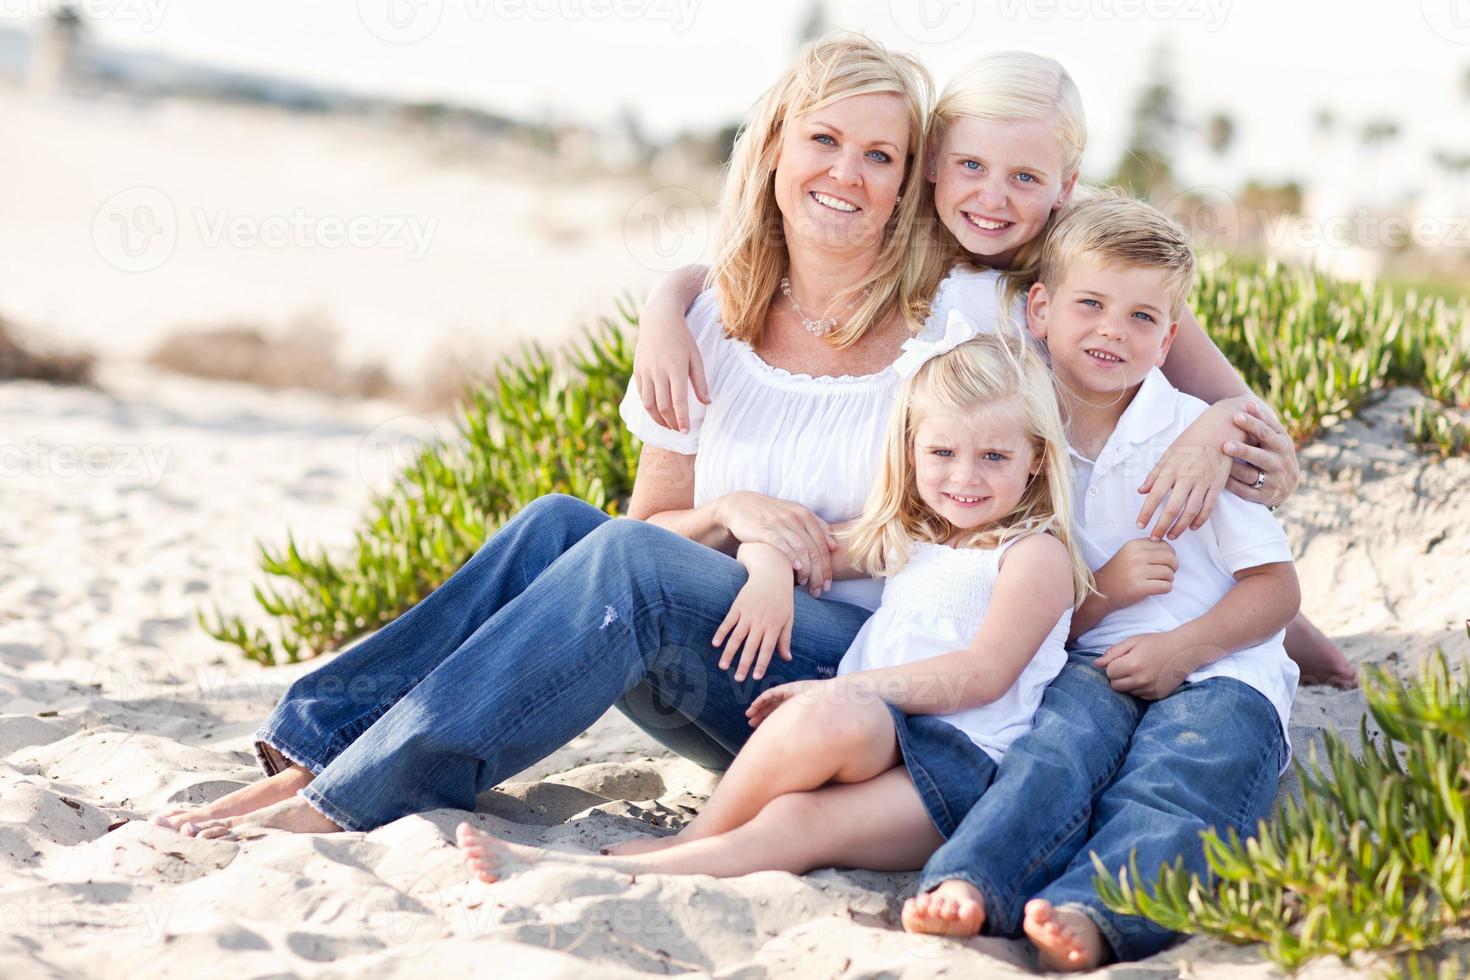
pixel 562 614
pixel 1109 773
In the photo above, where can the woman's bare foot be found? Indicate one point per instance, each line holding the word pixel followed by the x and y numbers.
pixel 1320 660
pixel 1068 941
pixel 640 845
pixel 293 814
pixel 955 908
pixel 247 799
pixel 493 858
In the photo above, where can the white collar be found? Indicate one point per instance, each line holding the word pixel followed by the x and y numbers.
pixel 1150 412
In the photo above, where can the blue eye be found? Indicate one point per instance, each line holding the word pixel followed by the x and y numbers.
pixel 823 136
pixel 1092 302
pixel 945 453
pixel 880 156
pixel 995 457
pixel 970 164
pixel 1145 316
pixel 1030 178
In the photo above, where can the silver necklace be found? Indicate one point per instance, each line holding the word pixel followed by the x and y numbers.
pixel 826 325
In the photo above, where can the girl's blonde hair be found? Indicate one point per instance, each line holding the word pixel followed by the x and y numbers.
pixel 980 371
pixel 752 256
pixel 1010 86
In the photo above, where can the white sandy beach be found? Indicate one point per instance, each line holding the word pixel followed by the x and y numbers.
pixel 127 508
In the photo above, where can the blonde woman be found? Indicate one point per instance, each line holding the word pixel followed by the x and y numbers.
pixel 566 612
pixel 969 525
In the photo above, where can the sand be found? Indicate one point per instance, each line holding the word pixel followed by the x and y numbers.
pixel 127 508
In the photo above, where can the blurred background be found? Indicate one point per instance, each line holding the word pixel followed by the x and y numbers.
pixel 376 197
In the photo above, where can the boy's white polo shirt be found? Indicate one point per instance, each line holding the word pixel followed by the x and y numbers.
pixel 1238 535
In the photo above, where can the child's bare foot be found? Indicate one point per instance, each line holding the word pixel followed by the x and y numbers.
pixel 493 858
pixel 1320 660
pixel 1068 941
pixel 640 845
pixel 955 908
pixel 293 814
pixel 247 799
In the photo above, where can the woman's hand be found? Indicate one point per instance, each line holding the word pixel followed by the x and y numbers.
pixel 772 698
pixel 760 618
pixel 666 360
pixel 804 538
pixel 1268 459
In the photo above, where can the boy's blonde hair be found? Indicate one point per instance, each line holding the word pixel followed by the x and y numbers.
pixel 1011 86
pixel 752 256
pixel 1119 231
pixel 983 370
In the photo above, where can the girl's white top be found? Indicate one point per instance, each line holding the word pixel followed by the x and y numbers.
pixel 935 604
pixel 814 441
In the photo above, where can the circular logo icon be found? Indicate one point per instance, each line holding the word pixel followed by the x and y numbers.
pixel 135 230
pixel 400 21
pixel 391 447
pixel 1212 218
pixel 401 912
pixel 932 21
pixel 1450 19
pixel 667 229
pixel 143 677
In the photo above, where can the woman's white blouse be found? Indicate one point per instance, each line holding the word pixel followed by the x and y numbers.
pixel 813 441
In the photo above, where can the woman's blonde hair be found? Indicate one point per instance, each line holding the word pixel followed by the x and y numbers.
pixel 984 370
pixel 752 256
pixel 1011 86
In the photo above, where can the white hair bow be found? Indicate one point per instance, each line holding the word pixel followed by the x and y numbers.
pixel 957 329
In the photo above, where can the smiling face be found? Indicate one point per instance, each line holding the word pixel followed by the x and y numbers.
pixel 840 170
pixel 997 182
pixel 972 467
pixel 1106 327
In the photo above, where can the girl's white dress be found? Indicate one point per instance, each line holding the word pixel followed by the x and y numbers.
pixel 933 605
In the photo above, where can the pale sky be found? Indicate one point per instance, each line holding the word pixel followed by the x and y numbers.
pixel 699 63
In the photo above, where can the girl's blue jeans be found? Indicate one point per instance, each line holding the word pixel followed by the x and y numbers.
pixel 1106 773
pixel 562 614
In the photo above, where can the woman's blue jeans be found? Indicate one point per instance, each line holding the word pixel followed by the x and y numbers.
pixel 1106 773
pixel 564 613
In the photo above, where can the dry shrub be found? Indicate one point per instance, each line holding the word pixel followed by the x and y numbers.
pixel 23 358
pixel 305 356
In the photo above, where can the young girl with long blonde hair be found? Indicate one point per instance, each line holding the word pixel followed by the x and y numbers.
pixel 968 524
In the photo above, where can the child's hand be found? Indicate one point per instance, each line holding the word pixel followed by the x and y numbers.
pixel 772 698
pixel 666 360
pixel 1190 476
pixel 1150 666
pixel 760 618
pixel 1141 568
